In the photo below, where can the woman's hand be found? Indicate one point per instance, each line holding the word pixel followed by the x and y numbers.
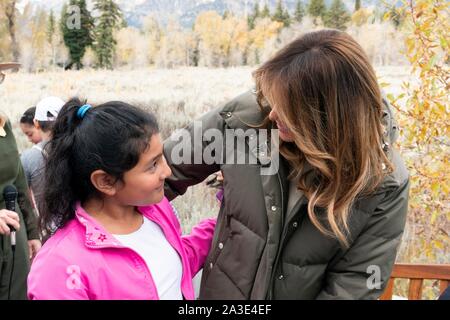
pixel 8 218
pixel 33 247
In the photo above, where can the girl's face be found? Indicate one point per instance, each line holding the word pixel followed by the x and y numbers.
pixel 144 184
pixel 284 133
pixel 31 132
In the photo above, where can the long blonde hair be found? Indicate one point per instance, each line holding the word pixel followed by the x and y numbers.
pixel 326 93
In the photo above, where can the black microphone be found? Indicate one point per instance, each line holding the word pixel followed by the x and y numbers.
pixel 10 196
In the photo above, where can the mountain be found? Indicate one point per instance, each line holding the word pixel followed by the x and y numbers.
pixel 187 10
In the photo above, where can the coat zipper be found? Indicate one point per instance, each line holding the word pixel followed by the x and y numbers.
pixel 120 246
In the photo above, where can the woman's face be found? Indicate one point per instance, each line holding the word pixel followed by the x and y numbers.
pixel 31 132
pixel 284 133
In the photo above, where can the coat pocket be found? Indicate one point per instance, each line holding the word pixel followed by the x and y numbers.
pixel 299 282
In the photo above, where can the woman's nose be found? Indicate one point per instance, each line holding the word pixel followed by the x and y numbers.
pixel 273 115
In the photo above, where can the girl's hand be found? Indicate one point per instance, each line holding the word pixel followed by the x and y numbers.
pixel 8 218
pixel 34 246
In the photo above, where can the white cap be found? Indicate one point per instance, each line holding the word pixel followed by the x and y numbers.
pixel 48 108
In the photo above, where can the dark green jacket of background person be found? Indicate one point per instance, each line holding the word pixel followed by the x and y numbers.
pixel 260 251
pixel 11 173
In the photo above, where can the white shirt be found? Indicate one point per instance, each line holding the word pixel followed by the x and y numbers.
pixel 161 258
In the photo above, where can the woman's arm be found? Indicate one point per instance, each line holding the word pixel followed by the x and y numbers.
pixel 23 200
pixel 364 270
pixel 8 219
pixel 190 172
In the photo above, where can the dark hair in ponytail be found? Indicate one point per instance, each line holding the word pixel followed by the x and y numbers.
pixel 110 137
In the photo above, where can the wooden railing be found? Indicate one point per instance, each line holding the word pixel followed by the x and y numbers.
pixel 417 273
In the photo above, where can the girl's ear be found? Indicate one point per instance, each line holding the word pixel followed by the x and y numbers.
pixel 36 124
pixel 103 182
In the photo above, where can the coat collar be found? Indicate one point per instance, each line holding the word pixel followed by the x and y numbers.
pixel 243 112
pixel 96 235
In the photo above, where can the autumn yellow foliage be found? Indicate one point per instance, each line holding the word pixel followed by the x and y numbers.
pixel 423 109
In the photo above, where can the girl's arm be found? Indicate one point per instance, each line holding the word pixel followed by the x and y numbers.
pixel 198 243
pixel 52 277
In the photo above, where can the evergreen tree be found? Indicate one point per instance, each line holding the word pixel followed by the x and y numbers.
pixel 110 19
pixel 123 23
pixel 281 15
pixel 77 30
pixel 278 14
pixel 337 17
pixel 256 11
pixel 266 12
pixel 51 27
pixel 226 14
pixel 317 9
pixel 395 16
pixel 357 5
pixel 51 30
pixel 286 18
pixel 255 15
pixel 299 11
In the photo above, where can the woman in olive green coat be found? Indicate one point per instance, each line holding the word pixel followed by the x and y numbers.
pixel 14 268
pixel 320 217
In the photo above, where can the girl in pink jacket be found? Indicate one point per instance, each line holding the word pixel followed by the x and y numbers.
pixel 113 233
